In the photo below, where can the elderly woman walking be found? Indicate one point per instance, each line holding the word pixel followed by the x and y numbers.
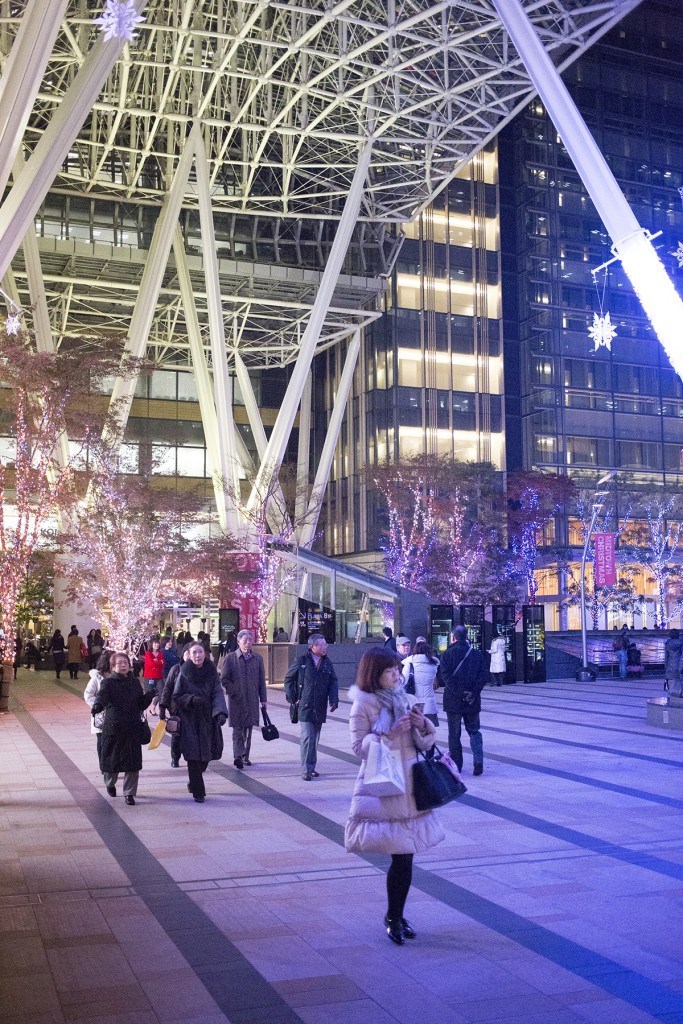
pixel 123 699
pixel 389 824
pixel 201 704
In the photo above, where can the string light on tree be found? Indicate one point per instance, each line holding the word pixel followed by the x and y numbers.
pixel 119 20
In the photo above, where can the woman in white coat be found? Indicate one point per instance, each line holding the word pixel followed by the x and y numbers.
pixel 498 666
pixel 97 676
pixel 423 666
pixel 389 824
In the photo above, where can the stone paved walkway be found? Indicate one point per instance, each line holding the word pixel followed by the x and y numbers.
pixel 556 898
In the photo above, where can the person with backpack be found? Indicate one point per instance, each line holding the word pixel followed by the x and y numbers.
pixel 311 685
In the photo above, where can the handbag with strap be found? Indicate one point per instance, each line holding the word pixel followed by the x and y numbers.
pixel 433 783
pixel 383 771
pixel 268 730
pixel 410 685
pixel 145 731
pixel 173 725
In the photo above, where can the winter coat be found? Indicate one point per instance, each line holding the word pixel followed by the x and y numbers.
pixel 425 674
pixel 56 647
pixel 497 653
pixel 673 649
pixel 90 695
pixel 124 701
pixel 199 698
pixel 245 684
pixel 154 665
pixel 470 677
pixel 319 687
pixel 387 824
pixel 166 699
pixel 171 658
pixel 73 649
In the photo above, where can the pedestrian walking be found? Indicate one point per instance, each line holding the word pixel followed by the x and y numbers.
pixel 203 713
pixel 97 676
pixel 673 649
pixel 18 647
pixel 311 682
pixel 498 666
pixel 57 648
pixel 166 703
pixel 463 670
pixel 74 652
pixel 153 667
pixel 95 647
pixel 403 647
pixel 620 646
pixel 123 700
pixel 389 824
pixel 244 681
pixel 171 656
pixel 421 668
pixel 389 640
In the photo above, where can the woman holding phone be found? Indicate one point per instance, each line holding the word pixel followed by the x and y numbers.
pixel 389 824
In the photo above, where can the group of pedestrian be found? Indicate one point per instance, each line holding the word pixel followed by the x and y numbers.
pixel 629 655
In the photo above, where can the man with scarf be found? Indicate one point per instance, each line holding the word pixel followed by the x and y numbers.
pixel 201 704
pixel 464 673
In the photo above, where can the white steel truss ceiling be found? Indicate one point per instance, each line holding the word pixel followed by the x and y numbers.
pixel 285 93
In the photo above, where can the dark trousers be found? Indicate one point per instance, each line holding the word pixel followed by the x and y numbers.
pixel 59 664
pixel 73 669
pixel 195 771
pixel 175 748
pixel 471 720
pixel 399 877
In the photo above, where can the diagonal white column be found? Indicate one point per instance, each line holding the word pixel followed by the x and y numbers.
pixel 304 451
pixel 652 285
pixel 201 374
pixel 22 75
pixel 272 459
pixel 276 512
pixel 148 295
pixel 227 448
pixel 332 436
pixel 28 192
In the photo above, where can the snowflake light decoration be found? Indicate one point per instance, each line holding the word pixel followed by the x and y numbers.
pixel 119 20
pixel 602 332
pixel 13 323
pixel 678 253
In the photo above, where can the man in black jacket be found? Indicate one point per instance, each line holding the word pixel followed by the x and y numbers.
pixel 464 673
pixel 312 681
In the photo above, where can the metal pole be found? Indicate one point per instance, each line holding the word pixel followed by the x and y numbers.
pixel 654 288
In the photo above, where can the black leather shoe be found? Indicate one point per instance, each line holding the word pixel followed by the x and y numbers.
pixel 316 775
pixel 246 762
pixel 130 800
pixel 394 931
pixel 307 777
pixel 174 763
pixel 408 929
pixel 199 799
pixel 478 769
pixel 111 790
pixel 238 763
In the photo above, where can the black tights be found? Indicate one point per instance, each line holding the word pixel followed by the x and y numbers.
pixel 399 877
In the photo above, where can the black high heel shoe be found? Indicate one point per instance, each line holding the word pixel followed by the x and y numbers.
pixel 394 930
pixel 408 929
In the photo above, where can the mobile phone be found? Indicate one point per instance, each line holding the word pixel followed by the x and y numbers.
pixel 418 706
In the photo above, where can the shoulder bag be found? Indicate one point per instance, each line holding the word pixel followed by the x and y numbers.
pixel 294 706
pixel 268 730
pixel 173 725
pixel 434 783
pixel 410 685
pixel 145 731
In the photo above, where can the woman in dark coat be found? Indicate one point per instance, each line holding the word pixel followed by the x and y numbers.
pixel 200 702
pixel 124 701
pixel 57 648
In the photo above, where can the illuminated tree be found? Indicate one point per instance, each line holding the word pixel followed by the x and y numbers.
pixel 652 541
pixel 46 398
pixel 534 499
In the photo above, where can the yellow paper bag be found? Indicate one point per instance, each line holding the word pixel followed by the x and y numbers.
pixel 157 735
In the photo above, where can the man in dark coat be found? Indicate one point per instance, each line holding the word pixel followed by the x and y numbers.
pixel 244 680
pixel 464 673
pixel 312 681
pixel 201 704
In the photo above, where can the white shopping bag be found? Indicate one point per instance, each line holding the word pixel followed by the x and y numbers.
pixel 383 771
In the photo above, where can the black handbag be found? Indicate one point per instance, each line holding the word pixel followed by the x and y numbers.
pixel 173 725
pixel 433 783
pixel 410 685
pixel 268 730
pixel 294 706
pixel 145 731
pixel 294 712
